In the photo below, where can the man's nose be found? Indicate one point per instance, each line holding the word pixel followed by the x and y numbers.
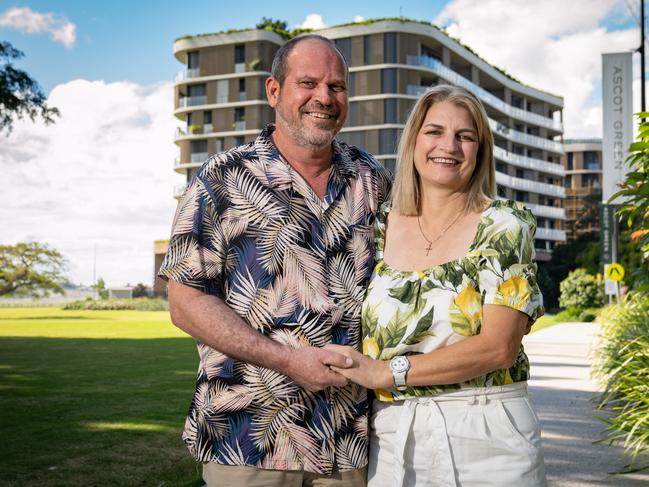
pixel 324 95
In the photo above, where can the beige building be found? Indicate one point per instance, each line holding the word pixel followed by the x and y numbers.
pixel 220 97
pixel 583 182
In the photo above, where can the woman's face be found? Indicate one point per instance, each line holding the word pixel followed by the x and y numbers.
pixel 446 147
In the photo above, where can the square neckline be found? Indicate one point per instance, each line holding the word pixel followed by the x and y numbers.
pixel 428 270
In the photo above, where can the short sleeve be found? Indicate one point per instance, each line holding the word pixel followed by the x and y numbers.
pixel 507 273
pixel 197 247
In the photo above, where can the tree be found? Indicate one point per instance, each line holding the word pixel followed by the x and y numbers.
pixel 20 94
pixel 31 269
pixel 102 290
pixel 581 290
pixel 634 196
pixel 141 291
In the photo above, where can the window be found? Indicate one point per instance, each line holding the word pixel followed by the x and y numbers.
pixel 520 173
pixel 591 160
pixel 218 145
pixel 352 114
pixel 388 81
pixel 238 140
pixel 196 90
pixel 239 114
pixel 569 163
pixel 355 138
pixel 222 91
pixel 351 85
pixel 239 54
pixel 390 47
pixel 501 167
pixel 367 50
pixel 390 110
pixel 521 196
pixel 189 119
pixel 501 191
pixel 567 181
pixel 387 141
pixel 207 118
pixel 345 48
pixel 242 85
pixel 192 60
pixel 390 165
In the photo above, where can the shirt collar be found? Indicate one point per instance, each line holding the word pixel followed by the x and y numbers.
pixel 277 171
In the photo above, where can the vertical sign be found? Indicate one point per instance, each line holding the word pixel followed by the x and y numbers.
pixel 607 232
pixel 617 74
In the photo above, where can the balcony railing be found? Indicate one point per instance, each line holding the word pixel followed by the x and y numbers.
pixel 192 101
pixel 531 186
pixel 198 157
pixel 527 139
pixel 547 211
pixel 451 76
pixel 193 130
pixel 241 125
pixel 528 162
pixel 187 74
pixel 551 234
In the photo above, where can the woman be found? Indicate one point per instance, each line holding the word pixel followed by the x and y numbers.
pixel 451 297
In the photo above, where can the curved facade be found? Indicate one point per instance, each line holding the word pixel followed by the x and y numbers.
pixel 220 96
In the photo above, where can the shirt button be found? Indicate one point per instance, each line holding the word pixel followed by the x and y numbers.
pixel 336 300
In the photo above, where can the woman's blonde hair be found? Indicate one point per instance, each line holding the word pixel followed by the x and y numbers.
pixel 406 197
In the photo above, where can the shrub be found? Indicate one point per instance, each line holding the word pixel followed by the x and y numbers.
pixel 588 315
pixel 139 304
pixel 581 290
pixel 622 366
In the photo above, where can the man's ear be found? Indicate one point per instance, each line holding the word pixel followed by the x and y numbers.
pixel 272 91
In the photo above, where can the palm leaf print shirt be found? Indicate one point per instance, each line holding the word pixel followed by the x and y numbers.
pixel 406 313
pixel 251 231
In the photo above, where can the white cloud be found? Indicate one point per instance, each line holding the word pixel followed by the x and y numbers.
pixel 26 20
pixel 101 175
pixel 312 21
pixel 359 18
pixel 553 45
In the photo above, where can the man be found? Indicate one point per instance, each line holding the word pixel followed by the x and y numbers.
pixel 270 253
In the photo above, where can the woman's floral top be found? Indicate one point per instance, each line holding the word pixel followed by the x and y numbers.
pixel 407 313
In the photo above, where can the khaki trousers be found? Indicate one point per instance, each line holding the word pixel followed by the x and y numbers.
pixel 217 475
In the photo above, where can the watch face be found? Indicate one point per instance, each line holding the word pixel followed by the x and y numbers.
pixel 399 364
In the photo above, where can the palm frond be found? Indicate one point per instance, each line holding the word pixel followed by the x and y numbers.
pixel 305 270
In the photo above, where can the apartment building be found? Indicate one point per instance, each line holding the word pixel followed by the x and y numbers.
pixel 220 98
pixel 582 163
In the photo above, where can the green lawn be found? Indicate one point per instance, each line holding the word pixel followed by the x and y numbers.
pixel 94 398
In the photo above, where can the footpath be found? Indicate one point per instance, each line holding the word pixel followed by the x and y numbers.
pixel 565 395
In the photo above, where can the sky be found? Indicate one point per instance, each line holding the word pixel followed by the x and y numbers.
pixel 97 185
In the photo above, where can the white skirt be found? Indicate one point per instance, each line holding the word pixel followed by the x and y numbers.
pixel 472 437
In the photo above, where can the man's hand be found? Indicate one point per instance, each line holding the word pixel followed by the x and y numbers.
pixel 365 371
pixel 309 368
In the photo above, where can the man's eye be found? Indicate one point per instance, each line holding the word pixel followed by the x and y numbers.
pixel 337 88
pixel 308 84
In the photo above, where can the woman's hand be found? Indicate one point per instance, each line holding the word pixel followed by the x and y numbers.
pixel 367 372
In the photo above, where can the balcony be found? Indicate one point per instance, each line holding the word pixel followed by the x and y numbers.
pixel 193 130
pixel 452 77
pixel 523 138
pixel 198 157
pixel 530 186
pixel 186 74
pixel 547 211
pixel 240 125
pixel 550 234
pixel 192 101
pixel 528 162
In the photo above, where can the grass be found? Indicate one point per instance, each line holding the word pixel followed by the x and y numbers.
pixel 94 398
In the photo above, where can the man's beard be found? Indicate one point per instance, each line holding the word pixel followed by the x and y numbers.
pixel 312 139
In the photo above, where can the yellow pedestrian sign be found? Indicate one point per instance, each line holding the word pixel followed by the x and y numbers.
pixel 614 272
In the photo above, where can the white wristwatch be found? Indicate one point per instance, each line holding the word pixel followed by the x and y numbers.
pixel 399 366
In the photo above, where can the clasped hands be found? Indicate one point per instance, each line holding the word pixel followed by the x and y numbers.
pixel 316 368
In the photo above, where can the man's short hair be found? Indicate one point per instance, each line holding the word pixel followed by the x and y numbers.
pixel 280 68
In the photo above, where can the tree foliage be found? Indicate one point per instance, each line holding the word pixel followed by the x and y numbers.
pixel 141 290
pixel 102 290
pixel 20 94
pixel 31 269
pixel 581 290
pixel 634 197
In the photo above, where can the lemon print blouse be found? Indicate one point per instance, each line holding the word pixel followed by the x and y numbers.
pixel 408 313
